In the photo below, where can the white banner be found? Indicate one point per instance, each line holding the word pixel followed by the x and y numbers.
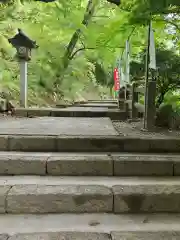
pixel 127 62
pixel 123 78
pixel 152 50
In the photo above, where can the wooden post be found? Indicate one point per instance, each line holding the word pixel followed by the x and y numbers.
pixel 151 107
pixel 134 113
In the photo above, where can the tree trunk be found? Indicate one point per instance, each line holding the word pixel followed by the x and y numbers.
pixel 75 37
pixel 161 96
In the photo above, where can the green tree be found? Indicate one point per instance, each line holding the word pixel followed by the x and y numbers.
pixel 168 71
pixel 53 26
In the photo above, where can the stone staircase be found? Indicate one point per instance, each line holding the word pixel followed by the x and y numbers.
pixel 77 179
pixel 94 196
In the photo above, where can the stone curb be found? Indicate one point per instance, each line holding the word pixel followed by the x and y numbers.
pixel 115 235
pixel 118 199
pixel 82 164
pixel 145 165
pixel 41 143
pixel 146 235
pixel 59 199
pixel 97 105
pixel 146 198
pixel 62 236
pixel 93 105
pixel 113 114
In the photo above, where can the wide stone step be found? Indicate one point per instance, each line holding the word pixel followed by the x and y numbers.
pixel 91 112
pixel 59 199
pixel 167 235
pixel 34 194
pixel 89 164
pixel 99 105
pixel 90 226
pixel 98 101
pixel 87 143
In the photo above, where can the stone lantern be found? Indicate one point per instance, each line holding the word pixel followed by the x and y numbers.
pixel 23 45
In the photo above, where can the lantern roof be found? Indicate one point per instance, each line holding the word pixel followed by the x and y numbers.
pixel 22 40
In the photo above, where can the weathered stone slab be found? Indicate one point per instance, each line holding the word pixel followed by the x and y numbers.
pixel 142 165
pixel 79 112
pixel 62 236
pixel 90 143
pixel 21 112
pixel 82 109
pixel 117 115
pixel 58 126
pixel 80 164
pixel 4 237
pixel 32 143
pixel 161 145
pixel 89 112
pixel 22 164
pixel 81 143
pixel 146 198
pixel 41 112
pixel 3 193
pixel 99 105
pixel 146 235
pixel 101 101
pixel 137 144
pixel 177 167
pixel 3 143
pixel 59 199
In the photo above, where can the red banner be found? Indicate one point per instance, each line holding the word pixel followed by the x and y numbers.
pixel 116 80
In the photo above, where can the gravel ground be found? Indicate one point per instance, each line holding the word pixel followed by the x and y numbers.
pixel 135 129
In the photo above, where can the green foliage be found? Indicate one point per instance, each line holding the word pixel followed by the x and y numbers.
pixel 142 10
pixel 168 76
pixel 173 98
pixel 52 25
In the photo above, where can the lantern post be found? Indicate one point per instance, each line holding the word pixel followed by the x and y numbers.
pixel 23 45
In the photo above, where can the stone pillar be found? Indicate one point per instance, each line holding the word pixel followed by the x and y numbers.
pixel 23 84
pixel 151 107
pixel 134 110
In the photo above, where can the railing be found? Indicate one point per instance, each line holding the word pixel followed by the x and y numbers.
pixel 148 109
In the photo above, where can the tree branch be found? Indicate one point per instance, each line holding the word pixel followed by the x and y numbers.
pixel 78 50
pixel 93 48
pixel 100 16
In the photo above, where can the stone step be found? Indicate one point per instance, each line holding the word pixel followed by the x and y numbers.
pixel 89 164
pixel 98 105
pixel 33 194
pixel 90 226
pixel 98 101
pixel 88 143
pixel 114 114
